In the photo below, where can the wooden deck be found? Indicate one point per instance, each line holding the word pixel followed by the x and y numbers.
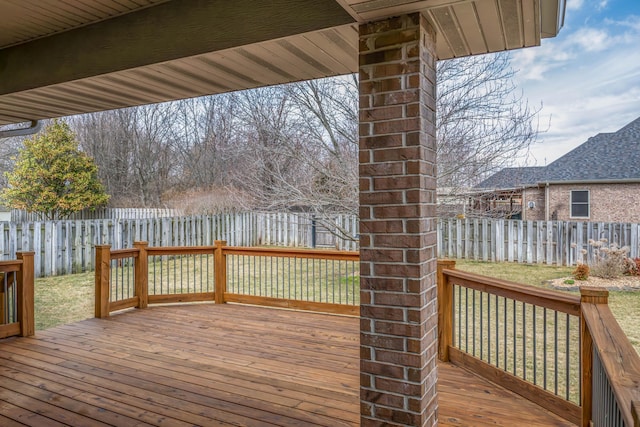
pixel 213 365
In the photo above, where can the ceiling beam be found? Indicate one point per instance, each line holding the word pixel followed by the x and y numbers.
pixel 171 30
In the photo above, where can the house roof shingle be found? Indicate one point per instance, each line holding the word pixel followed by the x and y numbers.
pixel 606 156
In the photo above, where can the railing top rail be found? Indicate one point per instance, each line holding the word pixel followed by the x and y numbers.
pixel 294 253
pixel 619 359
pixel 180 250
pixel 124 253
pixel 9 266
pixel 546 298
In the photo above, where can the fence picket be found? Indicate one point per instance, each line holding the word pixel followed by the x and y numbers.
pixel 68 246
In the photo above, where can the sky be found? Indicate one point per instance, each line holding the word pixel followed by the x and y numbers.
pixel 587 79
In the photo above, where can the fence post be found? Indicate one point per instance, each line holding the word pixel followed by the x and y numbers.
pixel 141 274
pixel 102 277
pixel 588 295
pixel 25 295
pixel 445 309
pixel 220 269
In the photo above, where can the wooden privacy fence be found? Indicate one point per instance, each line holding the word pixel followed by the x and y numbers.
pixel 64 247
pixel 317 280
pixel 567 353
pixel 542 242
pixel 103 213
pixel 17 296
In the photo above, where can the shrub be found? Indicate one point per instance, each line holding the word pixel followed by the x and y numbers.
pixel 609 261
pixel 569 282
pixel 581 272
pixel 632 266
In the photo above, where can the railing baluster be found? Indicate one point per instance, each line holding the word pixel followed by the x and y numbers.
pixel 535 347
pixel 555 351
pixel 489 326
pixel 524 341
pixel 515 334
pixel 567 359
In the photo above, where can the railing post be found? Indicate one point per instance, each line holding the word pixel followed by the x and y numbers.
pixel 102 275
pixel 220 269
pixel 445 309
pixel 141 274
pixel 588 295
pixel 25 295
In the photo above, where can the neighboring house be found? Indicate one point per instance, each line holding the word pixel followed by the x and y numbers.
pixel 597 181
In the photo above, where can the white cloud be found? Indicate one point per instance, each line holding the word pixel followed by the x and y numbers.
pixel 589 40
pixel 574 4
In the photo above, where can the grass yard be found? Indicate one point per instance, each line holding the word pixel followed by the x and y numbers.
pixel 63 299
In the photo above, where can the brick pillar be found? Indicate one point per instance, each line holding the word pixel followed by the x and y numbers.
pixel 399 317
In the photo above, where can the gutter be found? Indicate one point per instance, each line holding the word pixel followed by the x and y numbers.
pixel 35 127
pixel 593 181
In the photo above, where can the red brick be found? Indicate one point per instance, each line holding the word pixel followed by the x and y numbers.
pixel 365 325
pixel 365 297
pixel 400 153
pixel 396 37
pixel 397 183
pixel 400 387
pixel 381 226
pixel 382 284
pixel 394 98
pixel 382 113
pixel 383 255
pixel 383 313
pixel 380 341
pixel 397 299
pixel 380 56
pixel 397 241
pixel 381 169
pixel 403 417
pixel 365 129
pixel 395 23
pixel 399 329
pixel 365 380
pixel 380 398
pixel 396 270
pixel 364 184
pixel 393 69
pixel 381 141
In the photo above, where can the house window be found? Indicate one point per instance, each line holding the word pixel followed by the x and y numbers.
pixel 580 204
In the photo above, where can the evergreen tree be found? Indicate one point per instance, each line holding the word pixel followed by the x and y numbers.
pixel 52 177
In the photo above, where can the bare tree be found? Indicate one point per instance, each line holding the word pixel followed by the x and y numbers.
pixel 9 148
pixel 295 146
pixel 483 123
pixel 134 150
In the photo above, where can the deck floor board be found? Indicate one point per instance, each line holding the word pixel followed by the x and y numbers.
pixel 211 365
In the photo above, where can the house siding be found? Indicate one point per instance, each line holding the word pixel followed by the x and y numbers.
pixel 535 195
pixel 607 202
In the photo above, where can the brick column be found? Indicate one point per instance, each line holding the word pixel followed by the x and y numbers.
pixel 399 317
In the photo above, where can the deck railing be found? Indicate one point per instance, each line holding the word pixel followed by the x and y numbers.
pixel 17 296
pixel 525 339
pixel 611 368
pixel 318 280
pixel 566 353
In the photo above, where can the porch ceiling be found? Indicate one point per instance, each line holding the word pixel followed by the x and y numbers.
pixel 63 58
